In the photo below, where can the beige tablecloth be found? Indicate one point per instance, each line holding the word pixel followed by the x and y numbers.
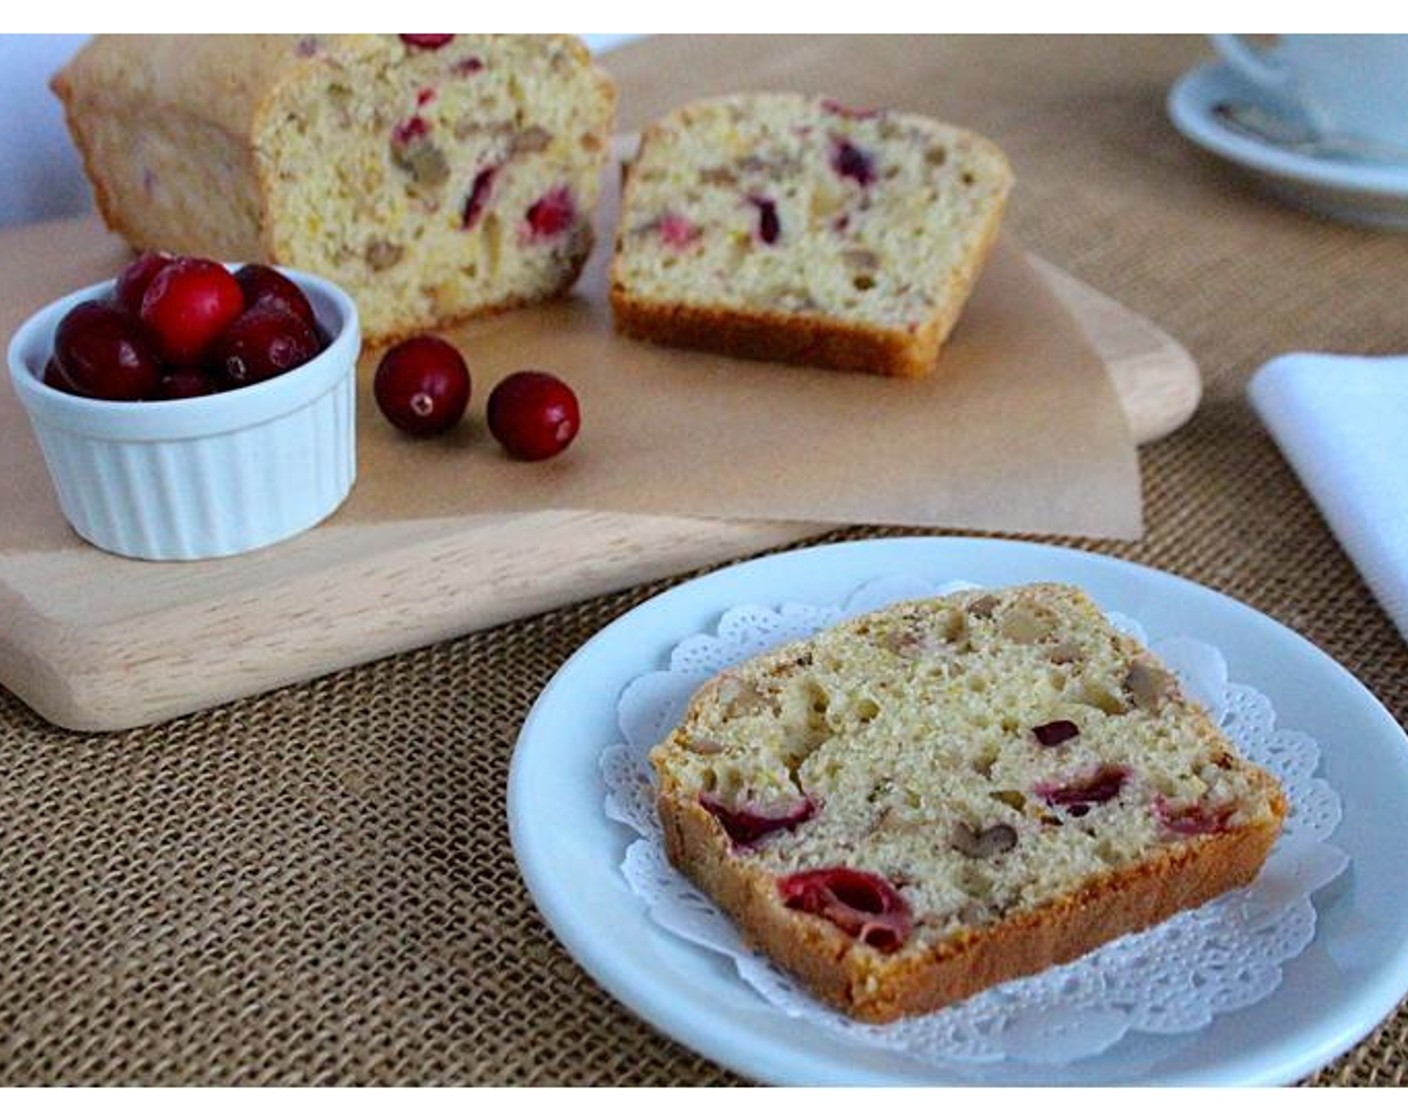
pixel 316 886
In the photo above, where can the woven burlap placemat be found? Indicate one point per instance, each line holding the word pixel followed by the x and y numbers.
pixel 316 886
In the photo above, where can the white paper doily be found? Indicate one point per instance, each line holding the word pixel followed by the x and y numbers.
pixel 1167 980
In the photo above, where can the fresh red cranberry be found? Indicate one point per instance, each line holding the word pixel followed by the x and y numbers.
pixel 265 341
pixel 1055 733
pixel 1080 795
pixel 187 305
pixel 769 224
pixel 478 197
pixel 677 231
pixel 746 826
pixel 55 378
pixel 426 42
pixel 262 284
pixel 422 385
pixel 184 382
pixel 534 415
pixel 133 281
pixel 861 903
pixel 552 214
pixel 851 162
pixel 1193 820
pixel 408 130
pixel 104 352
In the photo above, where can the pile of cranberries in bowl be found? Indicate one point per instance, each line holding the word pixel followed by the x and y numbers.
pixel 178 326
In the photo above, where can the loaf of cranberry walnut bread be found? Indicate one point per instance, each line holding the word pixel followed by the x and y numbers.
pixel 432 176
pixel 791 228
pixel 947 794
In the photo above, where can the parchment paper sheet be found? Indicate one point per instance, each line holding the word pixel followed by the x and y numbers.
pixel 1017 430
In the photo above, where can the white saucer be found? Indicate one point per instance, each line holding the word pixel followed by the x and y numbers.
pixel 1351 976
pixel 1355 191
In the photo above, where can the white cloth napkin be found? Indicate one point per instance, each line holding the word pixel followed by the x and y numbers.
pixel 1342 424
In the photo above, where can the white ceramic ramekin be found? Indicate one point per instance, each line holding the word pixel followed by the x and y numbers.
pixel 205 476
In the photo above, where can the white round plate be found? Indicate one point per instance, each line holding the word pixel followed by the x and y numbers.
pixel 1350 977
pixel 1356 191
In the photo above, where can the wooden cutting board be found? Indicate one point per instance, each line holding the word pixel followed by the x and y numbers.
pixel 92 642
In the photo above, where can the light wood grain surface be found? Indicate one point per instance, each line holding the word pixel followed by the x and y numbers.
pixel 93 643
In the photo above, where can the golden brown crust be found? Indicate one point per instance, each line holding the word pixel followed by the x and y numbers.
pixel 217 85
pixel 778 337
pixel 877 988
pixel 63 89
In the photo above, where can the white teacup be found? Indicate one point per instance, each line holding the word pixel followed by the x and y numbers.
pixel 1344 86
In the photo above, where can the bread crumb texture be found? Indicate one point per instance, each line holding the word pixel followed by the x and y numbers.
pixel 808 213
pixel 981 760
